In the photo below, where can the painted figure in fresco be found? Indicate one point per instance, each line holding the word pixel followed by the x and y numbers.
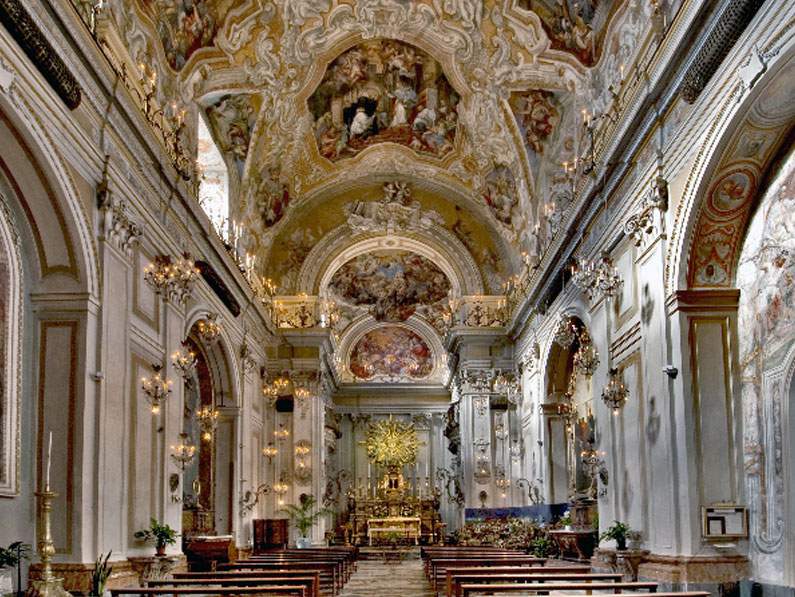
pixel 384 91
pixel 391 284
pixel 232 119
pixel 183 26
pixel 501 194
pixel 272 196
pixel 391 352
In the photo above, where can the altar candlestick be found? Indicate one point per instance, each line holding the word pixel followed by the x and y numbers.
pixel 49 462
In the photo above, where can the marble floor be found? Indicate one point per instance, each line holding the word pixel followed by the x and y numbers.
pixel 374 578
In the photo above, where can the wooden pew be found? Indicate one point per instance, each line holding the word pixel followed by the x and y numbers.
pixel 341 571
pixel 468 589
pixel 311 583
pixel 494 590
pixel 266 575
pixel 329 571
pixel 270 590
pixel 458 576
pixel 346 556
pixel 438 567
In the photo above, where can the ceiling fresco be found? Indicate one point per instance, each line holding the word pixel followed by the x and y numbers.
pixel 390 283
pixel 308 225
pixel 316 104
pixel 574 26
pixel 384 91
pixel 391 353
pixel 185 26
pixel 232 118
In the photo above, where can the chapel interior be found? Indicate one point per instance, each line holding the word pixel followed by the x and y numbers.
pixel 397 298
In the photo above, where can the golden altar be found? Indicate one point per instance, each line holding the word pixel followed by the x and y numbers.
pixel 406 527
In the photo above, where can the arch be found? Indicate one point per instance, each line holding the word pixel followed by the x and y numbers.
pixel 737 151
pixel 221 358
pixel 41 183
pixel 366 323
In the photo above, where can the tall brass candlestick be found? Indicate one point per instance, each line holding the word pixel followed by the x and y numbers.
pixel 48 586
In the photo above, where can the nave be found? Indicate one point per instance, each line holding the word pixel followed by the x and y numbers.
pixel 353 297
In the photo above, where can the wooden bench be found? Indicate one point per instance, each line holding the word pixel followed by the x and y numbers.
pixel 311 583
pixel 329 571
pixel 338 567
pixel 456 577
pixel 546 587
pixel 259 575
pixel 271 590
pixel 347 558
pixel 437 567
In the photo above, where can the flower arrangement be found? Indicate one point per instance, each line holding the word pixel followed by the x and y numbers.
pixel 508 533
pixel 565 520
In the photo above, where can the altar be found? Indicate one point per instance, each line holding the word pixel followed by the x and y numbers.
pixel 406 527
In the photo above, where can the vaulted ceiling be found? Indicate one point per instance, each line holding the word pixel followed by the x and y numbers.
pixel 391 153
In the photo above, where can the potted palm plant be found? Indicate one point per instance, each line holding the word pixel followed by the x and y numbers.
pixel 10 559
pixel 159 534
pixel 618 531
pixel 304 518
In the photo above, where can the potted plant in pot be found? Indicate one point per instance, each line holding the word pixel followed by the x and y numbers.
pixel 618 531
pixel 100 575
pixel 565 520
pixel 304 518
pixel 159 534
pixel 10 559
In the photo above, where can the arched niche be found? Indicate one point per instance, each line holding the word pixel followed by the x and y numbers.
pixel 207 507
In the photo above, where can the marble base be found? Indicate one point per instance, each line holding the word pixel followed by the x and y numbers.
pixel 715 569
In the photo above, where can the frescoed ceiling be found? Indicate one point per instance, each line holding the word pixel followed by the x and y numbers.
pixel 441 125
pixel 391 352
pixel 391 284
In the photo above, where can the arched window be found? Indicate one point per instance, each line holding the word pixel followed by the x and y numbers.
pixel 214 184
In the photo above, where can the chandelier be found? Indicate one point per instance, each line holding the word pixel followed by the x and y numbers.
pixel 158 274
pixel 615 393
pixel 184 361
pixel 270 452
pixel 586 359
pixel 597 278
pixel 208 421
pixel 565 332
pixel 282 433
pixel 502 483
pixel 183 277
pixel 156 387
pixel 183 452
pixel 172 278
pixel 209 329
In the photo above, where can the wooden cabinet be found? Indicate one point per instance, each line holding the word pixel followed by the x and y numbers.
pixel 270 533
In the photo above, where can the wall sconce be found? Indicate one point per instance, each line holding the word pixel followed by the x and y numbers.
pixel 209 329
pixel 270 452
pixel 158 274
pixel 172 278
pixel 208 421
pixel 565 332
pixel 301 396
pixel 184 361
pixel 184 452
pixel 502 482
pixel 597 278
pixel 303 468
pixel 157 388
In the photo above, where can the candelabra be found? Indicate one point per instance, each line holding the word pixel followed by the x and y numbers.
pixel 172 278
pixel 158 274
pixel 209 329
pixel 301 396
pixel 157 388
pixel 270 452
pixel 615 393
pixel 183 452
pixel 208 422
pixel 184 361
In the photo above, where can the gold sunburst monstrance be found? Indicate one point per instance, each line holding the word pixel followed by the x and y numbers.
pixel 392 443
